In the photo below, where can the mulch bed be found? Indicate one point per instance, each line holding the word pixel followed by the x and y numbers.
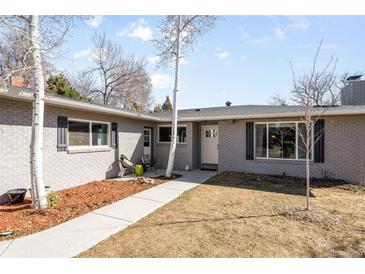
pixel 173 176
pixel 69 203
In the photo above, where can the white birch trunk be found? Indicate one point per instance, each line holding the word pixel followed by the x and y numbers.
pixel 170 164
pixel 36 147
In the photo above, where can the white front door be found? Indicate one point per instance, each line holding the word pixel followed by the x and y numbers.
pixel 147 141
pixel 209 144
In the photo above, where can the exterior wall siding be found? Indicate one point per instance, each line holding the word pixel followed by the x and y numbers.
pixel 61 169
pixel 184 152
pixel 353 93
pixel 344 151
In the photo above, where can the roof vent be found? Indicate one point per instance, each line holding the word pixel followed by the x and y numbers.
pixel 354 77
pixel 198 109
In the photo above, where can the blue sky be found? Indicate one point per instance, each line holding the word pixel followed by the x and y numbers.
pixel 245 59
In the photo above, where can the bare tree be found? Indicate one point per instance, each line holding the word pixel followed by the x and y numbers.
pixel 134 94
pixel 179 33
pixel 15 50
pixel 40 35
pixel 278 100
pixel 116 78
pixel 311 91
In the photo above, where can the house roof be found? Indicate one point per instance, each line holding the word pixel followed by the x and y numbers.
pixel 255 111
pixel 197 114
pixel 25 94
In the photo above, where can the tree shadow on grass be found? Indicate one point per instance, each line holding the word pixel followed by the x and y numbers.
pixel 261 184
pixel 217 219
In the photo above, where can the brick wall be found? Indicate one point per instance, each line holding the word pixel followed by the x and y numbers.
pixel 184 152
pixel 353 93
pixel 61 169
pixel 344 151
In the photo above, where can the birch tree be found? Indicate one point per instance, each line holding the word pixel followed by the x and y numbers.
pixel 36 147
pixel 178 34
pixel 313 90
pixel 39 38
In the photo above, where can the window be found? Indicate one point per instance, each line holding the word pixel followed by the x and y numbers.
pixel 78 133
pixel 164 134
pixel 99 134
pixel 85 133
pixel 211 133
pixel 146 138
pixel 280 140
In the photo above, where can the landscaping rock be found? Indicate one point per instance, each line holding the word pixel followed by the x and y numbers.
pixel 144 180
pixel 314 215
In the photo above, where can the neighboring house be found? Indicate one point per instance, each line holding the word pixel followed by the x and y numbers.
pixel 83 141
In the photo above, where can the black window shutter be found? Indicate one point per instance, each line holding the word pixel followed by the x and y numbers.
pixel 319 141
pixel 249 140
pixel 114 135
pixel 62 128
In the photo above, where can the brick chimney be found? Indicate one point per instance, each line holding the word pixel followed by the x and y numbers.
pixel 354 92
pixel 16 81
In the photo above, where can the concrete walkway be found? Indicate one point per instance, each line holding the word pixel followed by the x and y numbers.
pixel 77 235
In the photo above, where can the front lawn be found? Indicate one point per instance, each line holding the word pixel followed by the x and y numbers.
pixel 240 215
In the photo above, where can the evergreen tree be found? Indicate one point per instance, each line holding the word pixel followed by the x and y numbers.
pixel 61 86
pixel 167 106
pixel 157 108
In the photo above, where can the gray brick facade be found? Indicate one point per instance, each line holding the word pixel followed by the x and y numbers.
pixel 184 152
pixel 344 148
pixel 61 169
pixel 344 151
pixel 353 93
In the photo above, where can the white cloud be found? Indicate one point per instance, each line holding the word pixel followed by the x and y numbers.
pixel 295 23
pixel 223 55
pixel 248 37
pixel 299 22
pixel 95 21
pixel 143 33
pixel 139 29
pixel 161 80
pixel 243 58
pixel 280 33
pixel 153 59
pixel 82 53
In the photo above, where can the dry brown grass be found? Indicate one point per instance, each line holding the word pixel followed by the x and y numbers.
pixel 241 215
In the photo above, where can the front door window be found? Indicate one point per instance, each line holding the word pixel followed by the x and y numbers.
pixel 147 141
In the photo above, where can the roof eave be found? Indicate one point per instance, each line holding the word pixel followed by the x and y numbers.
pixel 63 102
pixel 275 115
pixel 20 94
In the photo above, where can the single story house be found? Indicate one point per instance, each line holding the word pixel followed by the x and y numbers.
pixel 83 141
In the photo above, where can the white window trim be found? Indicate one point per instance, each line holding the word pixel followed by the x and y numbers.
pixel 90 146
pixel 180 143
pixel 296 141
